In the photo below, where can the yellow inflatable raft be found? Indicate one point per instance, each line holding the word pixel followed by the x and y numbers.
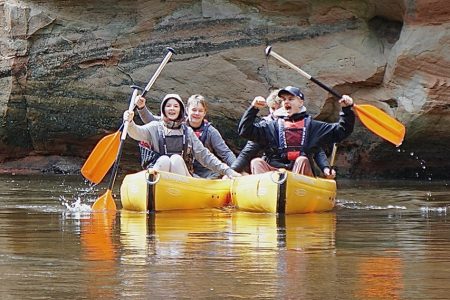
pixel 283 192
pixel 152 190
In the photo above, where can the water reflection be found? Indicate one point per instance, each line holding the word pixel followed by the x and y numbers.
pixel 100 253
pixel 96 237
pixel 220 245
pixel 380 278
pixel 308 232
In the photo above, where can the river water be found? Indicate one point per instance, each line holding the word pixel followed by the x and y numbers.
pixel 384 240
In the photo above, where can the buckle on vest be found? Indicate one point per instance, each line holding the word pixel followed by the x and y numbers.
pixel 292 155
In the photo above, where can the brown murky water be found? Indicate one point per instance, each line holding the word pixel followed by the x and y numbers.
pixel 384 240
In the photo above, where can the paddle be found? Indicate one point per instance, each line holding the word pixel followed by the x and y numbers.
pixel 376 120
pixel 106 201
pixel 333 158
pixel 105 152
pixel 102 157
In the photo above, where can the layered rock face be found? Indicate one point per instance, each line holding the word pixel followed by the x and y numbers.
pixel 67 66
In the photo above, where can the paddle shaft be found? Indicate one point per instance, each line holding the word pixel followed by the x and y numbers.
pixel 333 156
pixel 147 88
pixel 272 53
pixel 158 71
pixel 154 77
pixel 122 139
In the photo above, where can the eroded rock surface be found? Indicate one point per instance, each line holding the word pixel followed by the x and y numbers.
pixel 66 68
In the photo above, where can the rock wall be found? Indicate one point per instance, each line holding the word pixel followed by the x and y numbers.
pixel 66 68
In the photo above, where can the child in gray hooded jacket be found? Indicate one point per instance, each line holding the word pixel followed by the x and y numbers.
pixel 174 145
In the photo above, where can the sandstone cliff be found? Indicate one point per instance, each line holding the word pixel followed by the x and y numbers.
pixel 66 68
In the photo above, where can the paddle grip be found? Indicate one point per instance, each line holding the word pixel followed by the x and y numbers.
pixel 327 88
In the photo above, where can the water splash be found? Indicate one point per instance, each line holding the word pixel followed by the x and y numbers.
pixel 80 202
pixel 423 169
pixel 360 206
pixel 75 205
pixel 440 211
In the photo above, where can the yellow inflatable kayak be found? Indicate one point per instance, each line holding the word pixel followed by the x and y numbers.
pixel 151 190
pixel 283 192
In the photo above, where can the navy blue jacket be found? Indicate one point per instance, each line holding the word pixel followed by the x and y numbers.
pixel 319 135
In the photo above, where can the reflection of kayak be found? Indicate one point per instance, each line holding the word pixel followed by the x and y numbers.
pixel 301 231
pixel 150 190
pixel 169 234
pixel 283 192
pixel 162 231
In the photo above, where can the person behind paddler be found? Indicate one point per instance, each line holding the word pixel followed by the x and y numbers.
pixel 174 145
pixel 292 140
pixel 209 136
pixel 252 149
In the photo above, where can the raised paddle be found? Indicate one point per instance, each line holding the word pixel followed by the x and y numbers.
pixel 373 118
pixel 105 152
pixel 106 201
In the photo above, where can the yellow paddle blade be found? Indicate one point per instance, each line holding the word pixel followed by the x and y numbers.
pixel 101 158
pixel 381 123
pixel 105 202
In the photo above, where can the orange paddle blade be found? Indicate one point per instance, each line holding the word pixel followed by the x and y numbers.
pixel 101 158
pixel 105 202
pixel 381 123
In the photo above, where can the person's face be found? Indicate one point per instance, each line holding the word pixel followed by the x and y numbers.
pixel 196 113
pixel 274 107
pixel 292 104
pixel 172 109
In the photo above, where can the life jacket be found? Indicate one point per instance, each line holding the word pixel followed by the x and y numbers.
pixel 168 145
pixel 202 132
pixel 292 137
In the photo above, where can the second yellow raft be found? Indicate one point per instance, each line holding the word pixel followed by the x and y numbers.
pixel 283 192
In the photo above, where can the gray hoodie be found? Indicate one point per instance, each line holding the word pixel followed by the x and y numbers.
pixel 149 132
pixel 214 142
